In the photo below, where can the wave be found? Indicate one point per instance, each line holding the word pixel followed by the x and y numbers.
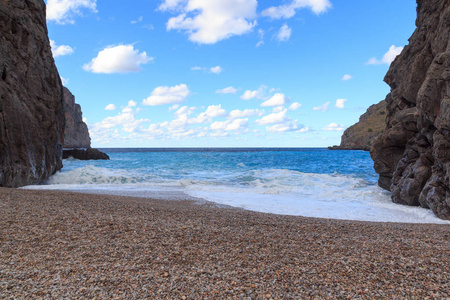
pixel 279 191
pixel 93 175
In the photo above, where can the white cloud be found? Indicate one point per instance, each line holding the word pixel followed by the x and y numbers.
pixel 261 34
pixel 148 26
pixel 374 61
pixel 125 120
pixel 63 11
pixel 347 77
pixel 259 93
pixel 174 107
pixel 110 107
pixel 323 107
pixel 227 90
pixel 237 124
pixel 137 21
pixel 289 10
pixel 284 34
pixel 334 127
pixel 276 100
pixel 219 125
pixel 184 111
pixel 340 103
pixel 249 95
pixel 60 50
pixel 277 109
pixel 168 95
pixel 216 70
pixel 207 22
pixel 118 59
pixel 215 111
pixel 273 118
pixel 170 5
pixel 235 114
pixel 64 81
pixel 126 127
pixel 388 57
pixel 211 112
pixel 288 125
pixel 295 106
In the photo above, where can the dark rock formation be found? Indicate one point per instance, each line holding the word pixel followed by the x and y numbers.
pixel 413 154
pixel 87 154
pixel 363 134
pixel 31 102
pixel 76 134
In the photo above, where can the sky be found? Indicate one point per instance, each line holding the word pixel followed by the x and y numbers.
pixel 225 73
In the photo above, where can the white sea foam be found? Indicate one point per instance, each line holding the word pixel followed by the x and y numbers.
pixel 277 191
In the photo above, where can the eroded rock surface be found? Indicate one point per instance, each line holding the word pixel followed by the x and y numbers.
pixel 362 135
pixel 412 156
pixel 76 133
pixel 31 106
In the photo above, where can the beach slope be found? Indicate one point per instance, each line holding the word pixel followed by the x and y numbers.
pixel 68 245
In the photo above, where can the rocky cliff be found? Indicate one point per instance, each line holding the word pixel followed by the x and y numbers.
pixel 362 135
pixel 76 134
pixel 412 156
pixel 31 106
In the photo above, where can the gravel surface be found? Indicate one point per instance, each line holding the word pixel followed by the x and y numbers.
pixel 56 245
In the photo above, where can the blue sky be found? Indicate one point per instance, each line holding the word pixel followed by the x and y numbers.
pixel 225 73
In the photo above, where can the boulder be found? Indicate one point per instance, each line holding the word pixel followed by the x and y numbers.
pixel 31 102
pixel 412 156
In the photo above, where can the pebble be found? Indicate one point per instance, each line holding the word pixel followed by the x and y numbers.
pixel 75 246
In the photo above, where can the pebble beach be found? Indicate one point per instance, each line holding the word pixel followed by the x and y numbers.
pixel 64 245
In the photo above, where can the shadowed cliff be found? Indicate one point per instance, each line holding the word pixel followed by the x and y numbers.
pixel 31 101
pixel 412 156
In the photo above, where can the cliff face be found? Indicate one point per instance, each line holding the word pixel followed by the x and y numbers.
pixel 362 135
pixel 413 154
pixel 31 110
pixel 76 134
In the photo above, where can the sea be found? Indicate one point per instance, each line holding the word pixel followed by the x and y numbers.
pixel 310 182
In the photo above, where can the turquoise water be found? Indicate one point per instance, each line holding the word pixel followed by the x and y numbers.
pixel 307 182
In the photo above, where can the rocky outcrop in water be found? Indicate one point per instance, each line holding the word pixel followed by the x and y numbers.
pixel 31 102
pixel 76 133
pixel 362 135
pixel 85 154
pixel 412 156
